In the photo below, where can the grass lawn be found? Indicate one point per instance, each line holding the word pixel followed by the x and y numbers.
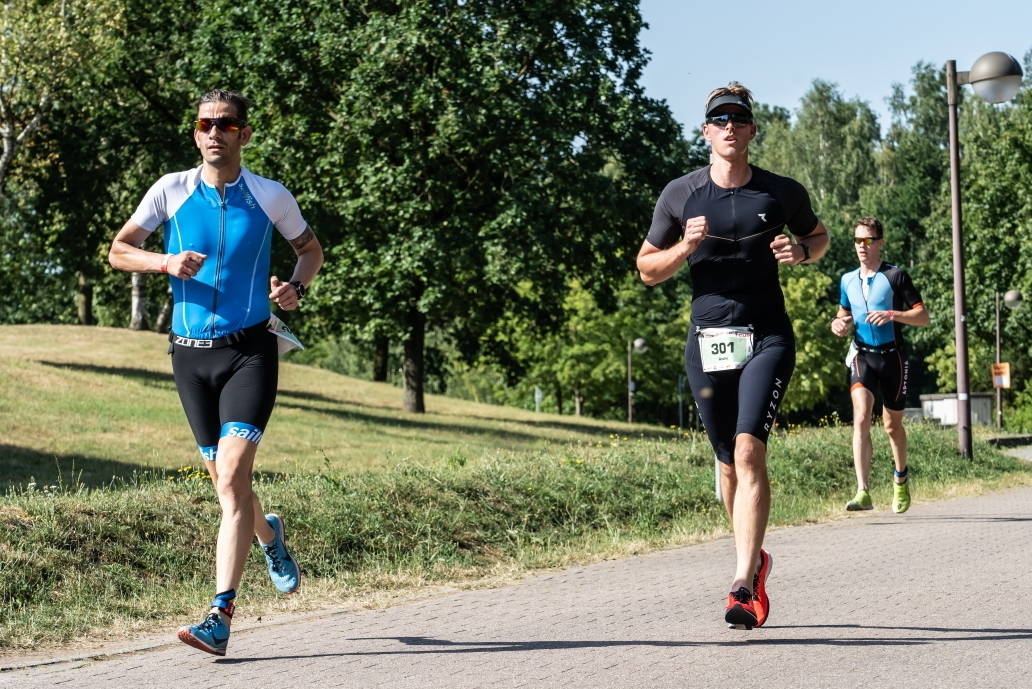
pixel 93 403
pixel 108 523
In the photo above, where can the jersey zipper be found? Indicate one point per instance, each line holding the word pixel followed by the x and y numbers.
pixel 218 257
pixel 734 230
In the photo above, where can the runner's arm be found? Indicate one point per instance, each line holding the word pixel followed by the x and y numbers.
pixel 842 323
pixel 817 243
pixel 126 254
pixel 309 257
pixel 917 315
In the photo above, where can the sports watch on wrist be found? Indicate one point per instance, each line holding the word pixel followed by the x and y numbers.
pixel 299 287
pixel 806 252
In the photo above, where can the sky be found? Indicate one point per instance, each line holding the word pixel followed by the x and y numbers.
pixel 777 49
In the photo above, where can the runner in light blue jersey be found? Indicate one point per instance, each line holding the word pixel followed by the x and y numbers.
pixel 875 301
pixel 233 228
pixel 219 220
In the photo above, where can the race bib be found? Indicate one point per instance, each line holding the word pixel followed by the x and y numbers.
pixel 725 349
pixel 287 339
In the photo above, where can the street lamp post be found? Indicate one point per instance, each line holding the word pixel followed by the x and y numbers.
pixel 996 78
pixel 1012 299
pixel 638 345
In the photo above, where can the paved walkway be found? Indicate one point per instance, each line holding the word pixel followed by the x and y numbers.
pixel 939 597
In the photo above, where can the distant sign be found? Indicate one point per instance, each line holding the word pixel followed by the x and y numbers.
pixel 1001 375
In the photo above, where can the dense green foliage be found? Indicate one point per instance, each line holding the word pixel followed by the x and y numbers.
pixel 481 175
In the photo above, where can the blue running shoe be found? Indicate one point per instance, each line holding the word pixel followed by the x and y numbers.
pixel 283 569
pixel 212 635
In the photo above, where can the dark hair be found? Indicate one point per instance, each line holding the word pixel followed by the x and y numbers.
pixel 234 98
pixel 872 222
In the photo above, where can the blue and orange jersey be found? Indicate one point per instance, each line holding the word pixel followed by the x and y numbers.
pixel 888 289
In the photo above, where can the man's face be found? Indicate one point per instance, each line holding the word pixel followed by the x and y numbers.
pixel 867 253
pixel 220 148
pixel 732 138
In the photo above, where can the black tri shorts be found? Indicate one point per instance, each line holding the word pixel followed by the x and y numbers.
pixel 744 400
pixel 884 372
pixel 227 391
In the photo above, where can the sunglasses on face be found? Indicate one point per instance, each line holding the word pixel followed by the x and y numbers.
pixel 225 124
pixel 866 241
pixel 738 119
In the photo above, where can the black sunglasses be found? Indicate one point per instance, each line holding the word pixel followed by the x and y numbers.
pixel 738 119
pixel 225 124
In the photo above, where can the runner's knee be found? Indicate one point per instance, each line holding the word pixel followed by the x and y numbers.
pixel 750 452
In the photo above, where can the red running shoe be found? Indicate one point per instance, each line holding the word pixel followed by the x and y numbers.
pixel 761 604
pixel 740 613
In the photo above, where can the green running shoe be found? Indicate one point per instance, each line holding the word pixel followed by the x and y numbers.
pixel 861 501
pixel 900 497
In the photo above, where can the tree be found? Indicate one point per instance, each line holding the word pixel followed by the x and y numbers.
pixel 44 47
pixel 996 176
pixel 484 144
pixel 830 150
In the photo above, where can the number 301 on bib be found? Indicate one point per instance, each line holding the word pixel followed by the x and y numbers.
pixel 725 349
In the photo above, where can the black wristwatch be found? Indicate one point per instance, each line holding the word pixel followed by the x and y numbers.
pixel 806 252
pixel 300 288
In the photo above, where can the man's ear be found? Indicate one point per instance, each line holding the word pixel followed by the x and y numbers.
pixel 245 135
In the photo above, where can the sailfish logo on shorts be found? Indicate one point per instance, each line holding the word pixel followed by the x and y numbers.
pixel 238 429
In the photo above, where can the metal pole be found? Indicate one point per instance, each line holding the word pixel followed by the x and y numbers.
pixel 959 308
pixel 680 401
pixel 999 390
pixel 630 389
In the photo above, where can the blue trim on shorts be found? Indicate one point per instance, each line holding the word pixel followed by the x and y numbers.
pixel 239 429
pixel 208 452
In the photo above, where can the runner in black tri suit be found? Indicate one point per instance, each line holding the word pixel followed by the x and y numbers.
pixel 219 221
pixel 875 301
pixel 727 221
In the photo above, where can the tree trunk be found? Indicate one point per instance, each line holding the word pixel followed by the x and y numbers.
pixel 138 310
pixel 559 399
pixel 12 142
pixel 84 300
pixel 380 351
pixel 578 402
pixel 413 364
pixel 164 319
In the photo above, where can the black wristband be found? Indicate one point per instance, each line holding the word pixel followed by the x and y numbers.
pixel 806 252
pixel 299 287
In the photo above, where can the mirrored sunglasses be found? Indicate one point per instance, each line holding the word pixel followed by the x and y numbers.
pixel 225 124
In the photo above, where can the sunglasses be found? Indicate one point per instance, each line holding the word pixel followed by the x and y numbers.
pixel 866 241
pixel 738 119
pixel 225 124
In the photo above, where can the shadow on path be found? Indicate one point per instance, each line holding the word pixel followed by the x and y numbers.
pixel 427 645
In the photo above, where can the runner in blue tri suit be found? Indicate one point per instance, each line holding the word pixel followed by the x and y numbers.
pixel 876 300
pixel 727 221
pixel 218 223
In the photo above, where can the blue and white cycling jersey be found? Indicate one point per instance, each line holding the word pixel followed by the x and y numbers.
pixel 889 288
pixel 234 231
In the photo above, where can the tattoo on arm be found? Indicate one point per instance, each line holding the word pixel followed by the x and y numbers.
pixel 300 241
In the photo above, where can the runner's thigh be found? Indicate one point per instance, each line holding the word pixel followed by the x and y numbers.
pixel 763 383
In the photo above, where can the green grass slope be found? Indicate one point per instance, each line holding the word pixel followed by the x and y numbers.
pixel 115 534
pixel 85 404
